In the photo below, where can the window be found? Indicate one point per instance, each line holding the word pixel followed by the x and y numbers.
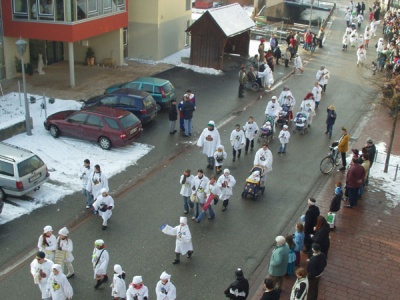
pixel 29 166
pixel 6 169
pixel 188 4
pixel 113 124
pixel 129 121
pixel 21 7
pixel 148 101
pixel 92 5
pixel 46 7
pixel 128 101
pixel 147 87
pixel 94 121
pixel 133 85
pixel 79 118
pixel 112 100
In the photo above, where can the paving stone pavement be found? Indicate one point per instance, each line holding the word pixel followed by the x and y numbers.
pixel 364 254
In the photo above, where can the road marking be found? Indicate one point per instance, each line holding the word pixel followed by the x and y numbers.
pixel 20 261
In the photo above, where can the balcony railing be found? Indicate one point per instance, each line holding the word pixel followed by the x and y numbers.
pixel 65 10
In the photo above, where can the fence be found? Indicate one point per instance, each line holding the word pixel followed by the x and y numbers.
pixel 380 158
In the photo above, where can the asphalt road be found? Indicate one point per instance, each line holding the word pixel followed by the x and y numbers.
pixel 147 194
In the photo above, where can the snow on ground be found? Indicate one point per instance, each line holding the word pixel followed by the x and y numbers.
pixel 385 181
pixel 63 156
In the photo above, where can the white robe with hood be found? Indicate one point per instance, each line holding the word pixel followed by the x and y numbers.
pixel 183 242
pixel 59 286
pixel 238 139
pixel 219 155
pixel 199 187
pixel 96 182
pixel 250 130
pixel 169 289
pixel 186 189
pixel 264 158
pixel 209 140
pixel 107 200
pixel 139 293
pixel 45 267
pixel 100 268
pixel 229 182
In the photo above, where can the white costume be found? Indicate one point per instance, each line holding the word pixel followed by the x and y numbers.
pixel 49 245
pixel 284 137
pixel 298 64
pixel 104 206
pixel 219 156
pixel 134 293
pixel 317 92
pixel 254 177
pixel 198 188
pixel 374 26
pixel 367 34
pixel 264 159
pixel 59 286
pixel 165 291
pixel 322 77
pixel 186 189
pixel 285 100
pixel 67 246
pixel 308 106
pixel 272 109
pixel 209 140
pixel 353 38
pixel 41 279
pixel 345 40
pixel 360 41
pixel 267 77
pixel 250 130
pixel 84 175
pixel 238 139
pixel 96 182
pixel 379 47
pixel 360 18
pixel 100 260
pixel 361 56
pixel 183 236
pixel 118 286
pixel 225 183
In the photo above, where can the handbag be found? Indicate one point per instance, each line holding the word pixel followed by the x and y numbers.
pixel 194 198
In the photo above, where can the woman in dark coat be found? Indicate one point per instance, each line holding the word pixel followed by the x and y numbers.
pixel 321 235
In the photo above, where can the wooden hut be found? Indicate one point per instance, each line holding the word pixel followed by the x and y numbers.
pixel 217 32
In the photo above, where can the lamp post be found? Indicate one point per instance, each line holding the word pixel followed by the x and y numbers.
pixel 21 47
pixel 309 23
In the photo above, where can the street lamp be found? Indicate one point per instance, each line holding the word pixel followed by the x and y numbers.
pixel 21 47
pixel 309 23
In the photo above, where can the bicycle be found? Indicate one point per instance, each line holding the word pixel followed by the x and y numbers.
pixel 333 159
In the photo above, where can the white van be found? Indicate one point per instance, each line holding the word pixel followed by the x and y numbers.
pixel 21 171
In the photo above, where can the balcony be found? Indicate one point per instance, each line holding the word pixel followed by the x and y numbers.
pixel 65 11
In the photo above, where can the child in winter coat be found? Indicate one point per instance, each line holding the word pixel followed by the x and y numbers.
pixel 118 285
pixel 335 205
pixel 298 239
pixel 284 137
pixel 292 255
pixel 219 156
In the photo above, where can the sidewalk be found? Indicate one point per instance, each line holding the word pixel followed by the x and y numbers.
pixel 364 258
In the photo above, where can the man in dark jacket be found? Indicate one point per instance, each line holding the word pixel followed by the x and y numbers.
pixel 309 223
pixel 330 119
pixel 187 111
pixel 239 289
pixel 354 180
pixel 315 267
pixel 172 116
pixel 371 150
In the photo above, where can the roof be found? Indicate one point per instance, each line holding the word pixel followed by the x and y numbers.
pixel 231 19
pixel 152 80
pixel 14 153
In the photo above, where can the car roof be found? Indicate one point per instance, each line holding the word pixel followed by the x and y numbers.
pixel 107 111
pixel 152 80
pixel 130 92
pixel 15 153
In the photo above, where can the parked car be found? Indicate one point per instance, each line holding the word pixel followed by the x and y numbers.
pixel 21 171
pixel 140 103
pixel 104 125
pixel 161 89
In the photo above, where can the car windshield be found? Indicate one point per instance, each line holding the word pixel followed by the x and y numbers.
pixel 29 165
pixel 148 101
pixel 129 121
pixel 168 87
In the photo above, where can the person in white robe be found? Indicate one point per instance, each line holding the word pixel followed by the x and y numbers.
pixel 226 182
pixel 47 242
pixel 212 193
pixel 284 137
pixel 84 173
pixel 199 184
pixel 64 243
pixel 100 260
pixel 209 140
pixel 317 93
pixel 286 98
pixel 40 269
pixel 118 286
pixel 104 205
pixel 219 157
pixel 298 64
pixel 186 181
pixel 250 132
pixel 97 181
pixel 137 290
pixel 58 284
pixel 308 106
pixel 264 159
pixel 272 109
pixel 361 55
pixel 165 290
pixel 238 140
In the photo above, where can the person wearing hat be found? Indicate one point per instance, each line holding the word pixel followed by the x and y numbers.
pixel 284 137
pixel 298 64
pixel 118 286
pixel 330 120
pixel 84 173
pixel 264 159
pixel 335 205
pixel 165 290
pixel 219 156
pixel 310 220
pixel 317 93
pixel 371 148
pixel 172 117
pixel 226 182
pixel 47 242
pixel 58 285
pixel 97 181
pixel 242 80
pixel 64 243
pixel 272 109
pixel 104 205
pixel 239 289
pixel 100 260
pixel 308 106
pixel 278 262
pixel 183 244
pixel 137 290
pixel 209 140
pixel 315 268
pixel 343 147
pixel 40 270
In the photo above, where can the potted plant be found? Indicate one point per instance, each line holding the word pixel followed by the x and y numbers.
pixel 90 57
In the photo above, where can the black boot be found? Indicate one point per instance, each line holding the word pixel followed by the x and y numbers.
pixel 189 254
pixel 177 259
pixel 99 282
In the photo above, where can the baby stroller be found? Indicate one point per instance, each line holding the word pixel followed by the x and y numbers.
pixel 283 118
pixel 267 130
pixel 301 121
pixel 253 183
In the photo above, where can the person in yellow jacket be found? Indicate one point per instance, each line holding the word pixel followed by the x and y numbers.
pixel 343 147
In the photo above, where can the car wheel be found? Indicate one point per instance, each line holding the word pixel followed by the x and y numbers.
pixel 54 131
pixel 3 195
pixel 105 143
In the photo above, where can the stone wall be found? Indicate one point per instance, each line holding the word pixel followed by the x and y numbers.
pixel 15 129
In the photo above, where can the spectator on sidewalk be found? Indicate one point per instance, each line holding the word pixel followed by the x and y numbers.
pixel 366 164
pixel 278 262
pixel 330 120
pixel 310 221
pixel 292 255
pixel 336 203
pixel 239 289
pixel 321 235
pixel 371 148
pixel 300 287
pixel 269 292
pixel 187 113
pixel 354 179
pixel 298 238
pixel 315 268
pixel 172 116
pixel 242 81
pixel 343 147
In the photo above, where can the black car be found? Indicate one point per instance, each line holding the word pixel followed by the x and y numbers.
pixel 140 103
